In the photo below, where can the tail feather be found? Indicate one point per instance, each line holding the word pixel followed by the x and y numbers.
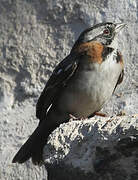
pixel 23 154
pixel 33 147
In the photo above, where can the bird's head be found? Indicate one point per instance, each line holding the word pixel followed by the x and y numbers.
pixel 104 33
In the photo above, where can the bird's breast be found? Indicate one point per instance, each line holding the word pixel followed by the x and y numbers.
pixel 90 88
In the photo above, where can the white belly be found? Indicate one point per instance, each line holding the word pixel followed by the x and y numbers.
pixel 90 89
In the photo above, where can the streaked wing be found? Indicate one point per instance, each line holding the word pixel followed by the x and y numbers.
pixel 119 59
pixel 62 73
pixel 120 79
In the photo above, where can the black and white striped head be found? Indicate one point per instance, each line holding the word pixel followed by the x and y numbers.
pixel 103 33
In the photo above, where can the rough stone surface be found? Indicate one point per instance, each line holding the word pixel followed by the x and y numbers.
pixel 34 37
pixel 92 148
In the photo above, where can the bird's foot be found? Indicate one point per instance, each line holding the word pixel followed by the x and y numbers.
pixel 73 118
pixel 100 114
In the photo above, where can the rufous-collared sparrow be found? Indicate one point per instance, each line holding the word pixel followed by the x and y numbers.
pixel 80 85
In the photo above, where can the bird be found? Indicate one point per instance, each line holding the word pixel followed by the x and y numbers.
pixel 79 85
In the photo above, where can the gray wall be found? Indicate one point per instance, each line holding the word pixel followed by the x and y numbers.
pixel 34 37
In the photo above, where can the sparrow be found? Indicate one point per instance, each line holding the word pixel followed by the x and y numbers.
pixel 79 86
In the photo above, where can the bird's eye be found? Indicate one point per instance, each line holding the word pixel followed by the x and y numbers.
pixel 106 31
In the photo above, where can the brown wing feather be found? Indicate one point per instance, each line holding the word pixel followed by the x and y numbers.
pixel 119 59
pixel 120 79
pixel 58 79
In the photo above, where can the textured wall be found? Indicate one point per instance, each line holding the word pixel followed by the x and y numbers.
pixel 34 37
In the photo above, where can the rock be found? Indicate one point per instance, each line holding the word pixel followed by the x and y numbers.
pixel 99 148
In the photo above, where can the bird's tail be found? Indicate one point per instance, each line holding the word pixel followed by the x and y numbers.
pixel 33 147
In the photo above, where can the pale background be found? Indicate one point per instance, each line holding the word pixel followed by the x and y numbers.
pixel 34 36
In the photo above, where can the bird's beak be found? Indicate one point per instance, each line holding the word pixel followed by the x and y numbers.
pixel 119 26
